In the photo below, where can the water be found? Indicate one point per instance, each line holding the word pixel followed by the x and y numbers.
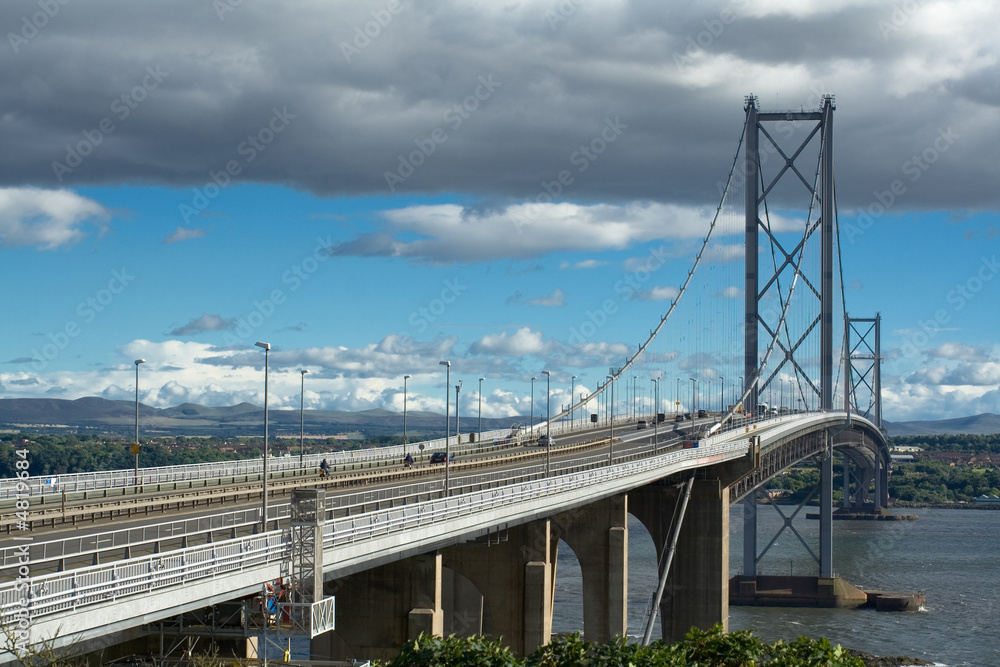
pixel 951 555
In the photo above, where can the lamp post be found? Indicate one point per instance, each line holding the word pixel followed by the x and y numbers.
pixel 611 437
pixel 548 420
pixel 677 395
pixel 458 430
pixel 302 419
pixel 635 396
pixel 656 416
pixel 572 393
pixel 447 422
pixel 740 389
pixel 532 427
pixel 405 378
pixel 480 436
pixel 722 395
pixel 263 514
pixel 694 413
pixel 135 476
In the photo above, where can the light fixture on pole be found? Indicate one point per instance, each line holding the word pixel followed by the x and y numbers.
pixel 611 437
pixel 458 431
pixel 572 393
pixel 656 416
pixel 447 422
pixel 635 396
pixel 302 419
pixel 722 395
pixel 135 449
pixel 677 395
pixel 548 421
pixel 694 413
pixel 405 378
pixel 480 436
pixel 531 429
pixel 263 512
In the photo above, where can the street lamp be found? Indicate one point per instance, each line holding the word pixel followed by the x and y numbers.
pixel 548 420
pixel 480 436
pixel 302 419
pixel 722 395
pixel 572 393
pixel 531 430
pixel 405 378
pixel 635 378
pixel 263 515
pixel 135 476
pixel 656 416
pixel 447 422
pixel 677 395
pixel 458 430
pixel 611 436
pixel 694 412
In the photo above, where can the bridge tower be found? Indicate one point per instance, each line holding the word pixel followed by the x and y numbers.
pixel 763 289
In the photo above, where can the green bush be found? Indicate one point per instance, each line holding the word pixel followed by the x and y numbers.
pixel 709 648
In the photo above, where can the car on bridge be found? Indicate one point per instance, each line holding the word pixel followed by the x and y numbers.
pixel 641 424
pixel 702 413
pixel 545 440
pixel 440 457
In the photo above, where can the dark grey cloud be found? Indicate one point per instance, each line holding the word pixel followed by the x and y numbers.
pixel 492 101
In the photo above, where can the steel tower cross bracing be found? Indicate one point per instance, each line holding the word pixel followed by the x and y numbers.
pixel 759 287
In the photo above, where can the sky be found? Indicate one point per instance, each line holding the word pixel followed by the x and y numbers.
pixel 376 187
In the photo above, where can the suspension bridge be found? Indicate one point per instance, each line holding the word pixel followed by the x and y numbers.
pixel 360 561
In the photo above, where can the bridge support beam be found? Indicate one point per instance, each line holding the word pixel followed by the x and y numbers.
pixel 697 592
pixel 826 510
pixel 598 535
pixel 516 579
pixel 750 535
pixel 379 610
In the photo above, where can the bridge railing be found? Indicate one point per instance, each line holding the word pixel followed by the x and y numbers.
pixel 112 479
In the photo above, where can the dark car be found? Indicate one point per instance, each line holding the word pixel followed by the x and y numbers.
pixel 440 457
pixel 702 413
pixel 546 440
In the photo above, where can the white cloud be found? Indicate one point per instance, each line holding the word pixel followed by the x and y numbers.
pixel 556 299
pixel 959 351
pixel 522 342
pixel 47 218
pixel 665 293
pixel 184 234
pixel 449 232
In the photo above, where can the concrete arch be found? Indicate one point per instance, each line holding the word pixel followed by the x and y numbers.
pixel 598 534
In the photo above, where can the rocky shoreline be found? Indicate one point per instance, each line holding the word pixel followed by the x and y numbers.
pixel 887 660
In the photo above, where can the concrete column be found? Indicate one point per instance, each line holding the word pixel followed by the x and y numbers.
pixel 826 511
pixel 878 480
pixel 697 592
pixel 847 481
pixel 379 610
pixel 515 578
pixel 598 535
pixel 750 535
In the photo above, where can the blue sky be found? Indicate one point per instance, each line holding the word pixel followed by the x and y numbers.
pixel 511 189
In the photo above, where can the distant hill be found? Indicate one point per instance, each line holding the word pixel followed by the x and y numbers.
pixel 94 414
pixel 983 424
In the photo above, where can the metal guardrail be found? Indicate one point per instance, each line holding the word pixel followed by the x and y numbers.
pixel 70 591
pixel 111 479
